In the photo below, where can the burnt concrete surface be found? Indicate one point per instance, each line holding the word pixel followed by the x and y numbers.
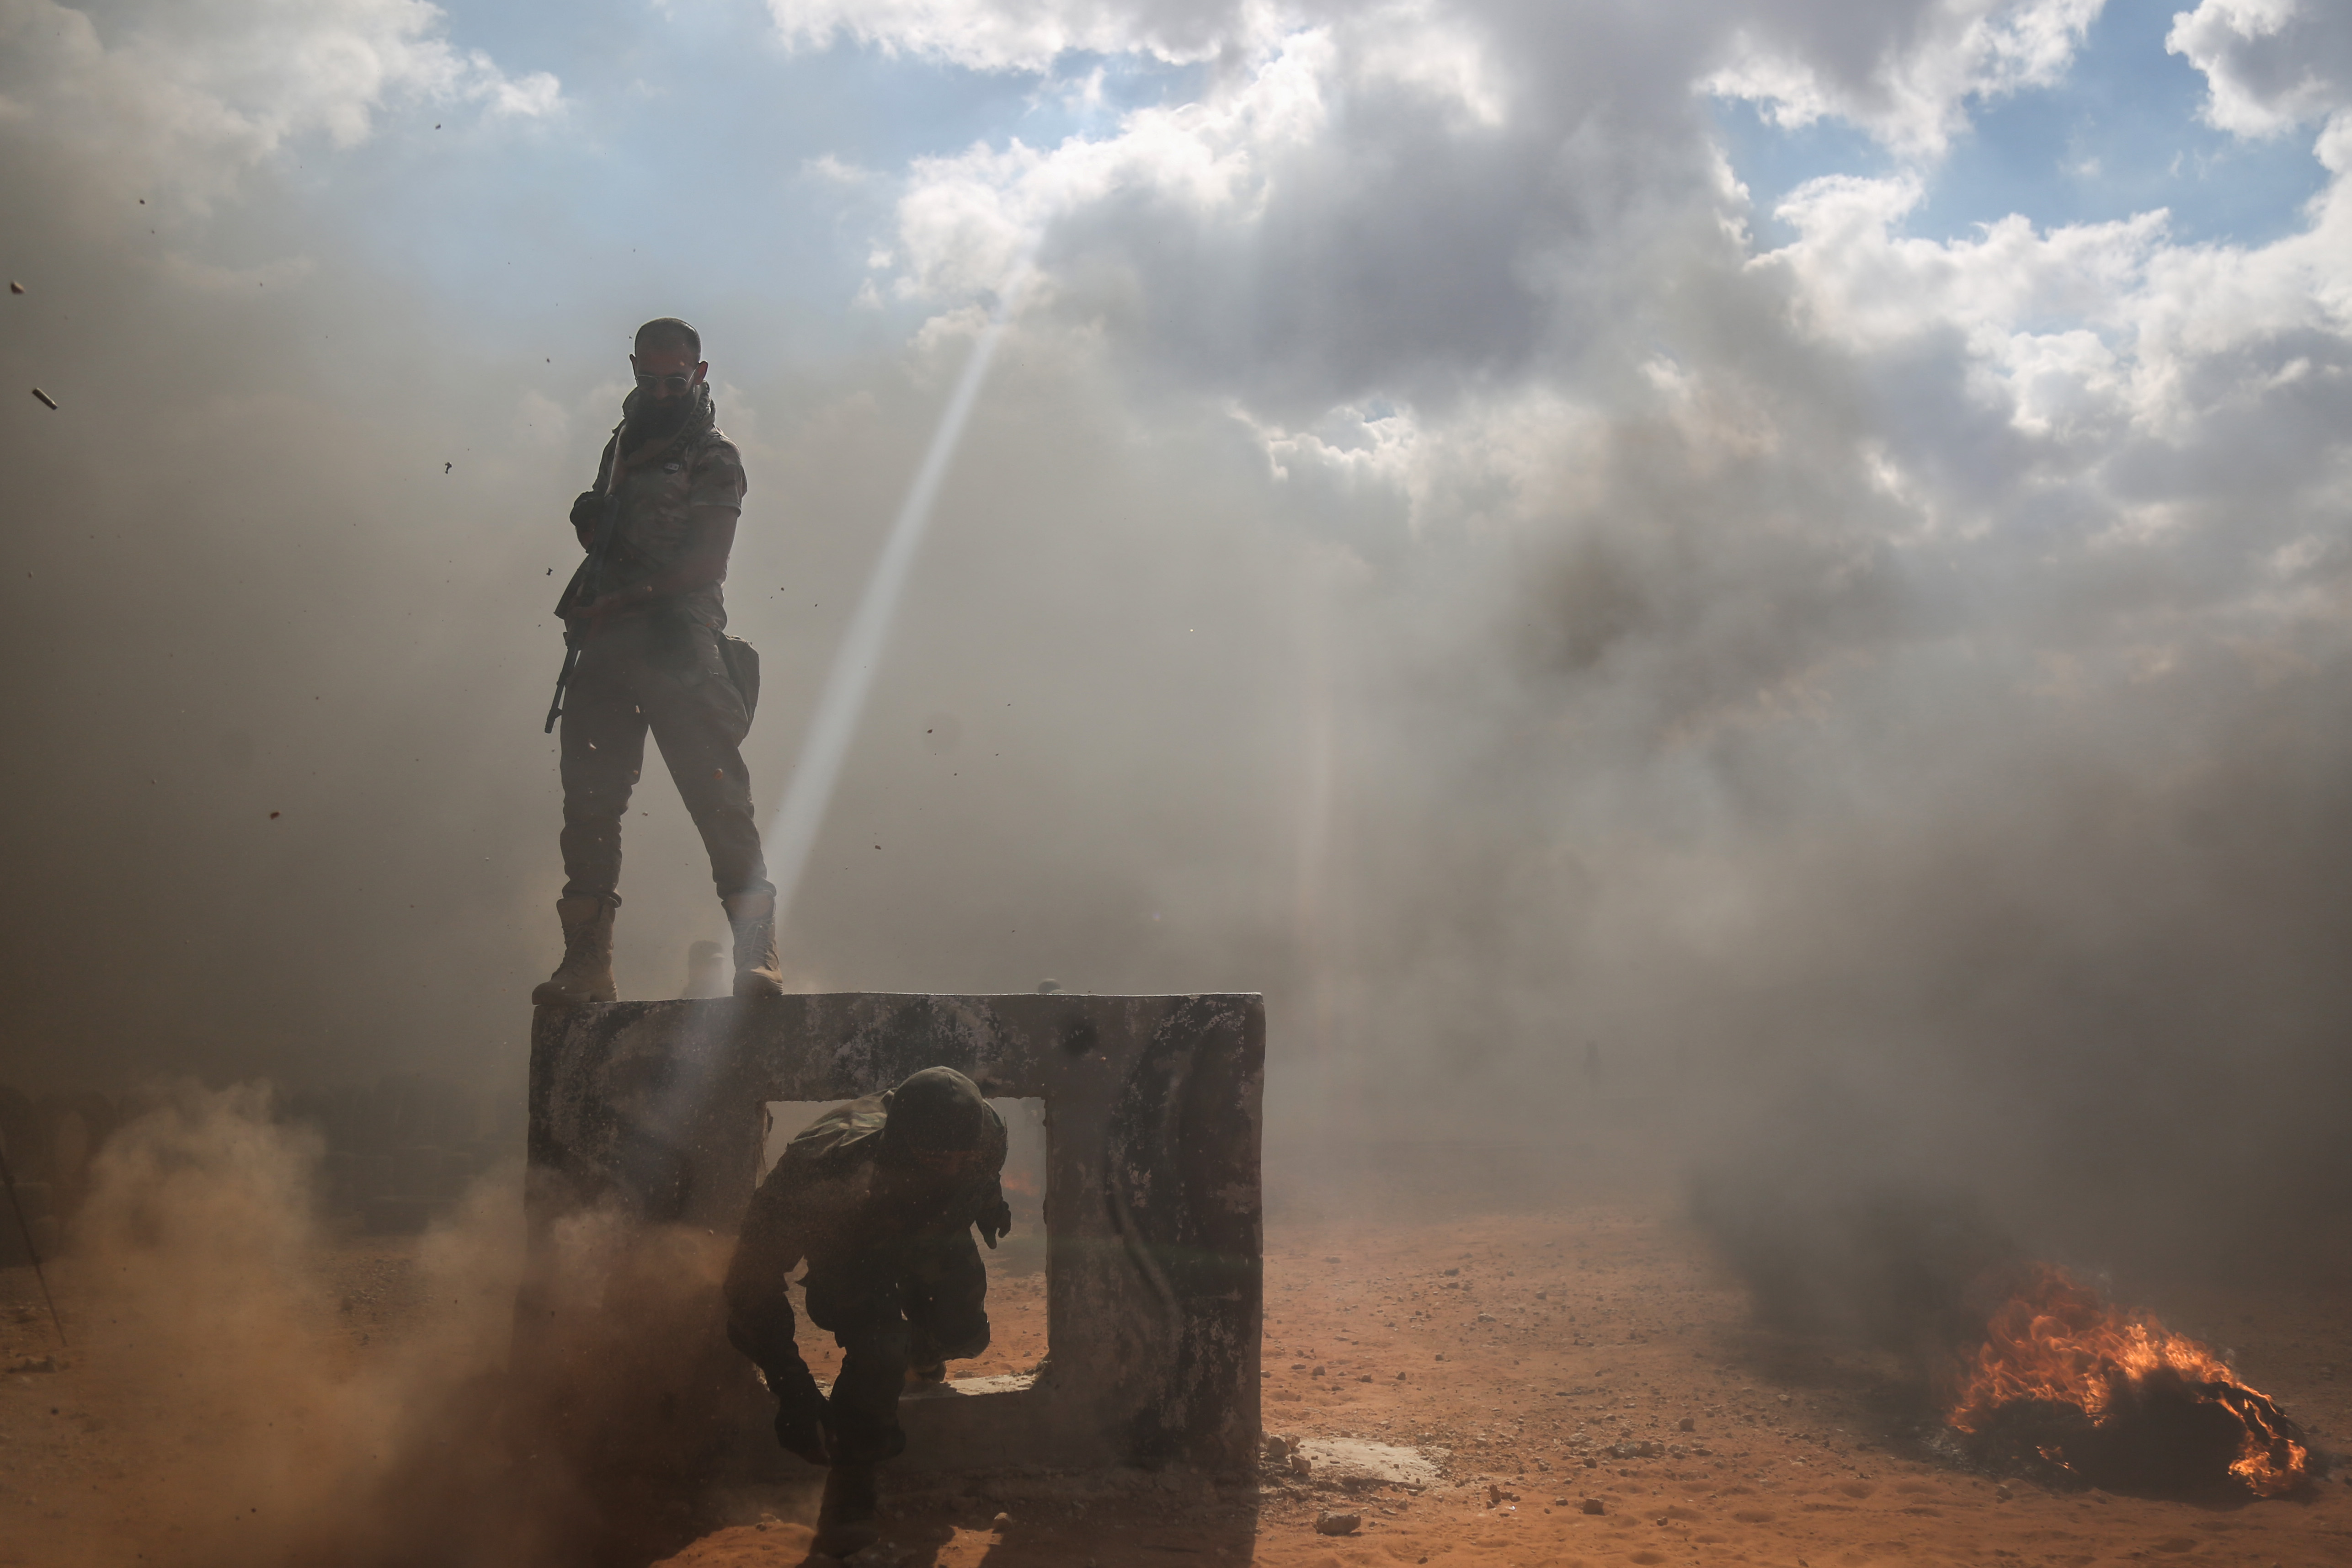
pixel 1153 1216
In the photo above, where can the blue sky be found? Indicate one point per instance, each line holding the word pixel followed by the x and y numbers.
pixel 2120 134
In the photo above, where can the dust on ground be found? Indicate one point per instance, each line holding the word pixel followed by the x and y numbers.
pixel 1540 1361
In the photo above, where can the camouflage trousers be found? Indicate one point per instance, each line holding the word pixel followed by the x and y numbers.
pixel 663 674
pixel 932 1306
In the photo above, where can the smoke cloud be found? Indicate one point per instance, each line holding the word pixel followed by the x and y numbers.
pixel 1599 650
pixel 261 1431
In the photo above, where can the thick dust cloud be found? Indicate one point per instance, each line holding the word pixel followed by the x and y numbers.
pixel 1627 673
pixel 265 1435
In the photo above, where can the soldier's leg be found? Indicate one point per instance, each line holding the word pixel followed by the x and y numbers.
pixel 699 721
pixel 603 747
pixel 945 1294
pixel 603 738
pixel 865 1319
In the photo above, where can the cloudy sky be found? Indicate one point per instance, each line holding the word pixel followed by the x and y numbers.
pixel 1799 544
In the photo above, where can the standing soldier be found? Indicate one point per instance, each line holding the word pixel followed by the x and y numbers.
pixel 647 625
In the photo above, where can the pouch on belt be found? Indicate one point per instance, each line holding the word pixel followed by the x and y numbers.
pixel 743 662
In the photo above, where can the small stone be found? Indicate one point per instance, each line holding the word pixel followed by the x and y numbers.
pixel 1400 1377
pixel 2001 1493
pixel 1300 1465
pixel 1452 1272
pixel 1594 1505
pixel 1337 1523
pixel 1688 1424
pixel 1440 1355
pixel 1317 1373
pixel 1276 1447
pixel 1002 1521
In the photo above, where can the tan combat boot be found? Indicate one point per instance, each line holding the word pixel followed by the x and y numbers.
pixel 585 974
pixel 758 970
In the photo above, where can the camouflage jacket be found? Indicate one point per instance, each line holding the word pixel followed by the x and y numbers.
pixel 661 482
pixel 822 1203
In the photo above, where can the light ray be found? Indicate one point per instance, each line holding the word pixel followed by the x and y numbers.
pixel 826 747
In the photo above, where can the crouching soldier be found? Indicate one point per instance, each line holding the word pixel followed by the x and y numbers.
pixel 880 1195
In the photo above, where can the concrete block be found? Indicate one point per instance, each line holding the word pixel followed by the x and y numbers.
pixel 1154 1224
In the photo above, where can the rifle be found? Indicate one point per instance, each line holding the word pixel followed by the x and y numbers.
pixel 24 1229
pixel 585 581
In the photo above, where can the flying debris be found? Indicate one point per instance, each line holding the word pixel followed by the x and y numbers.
pixel 14 287
pixel 46 400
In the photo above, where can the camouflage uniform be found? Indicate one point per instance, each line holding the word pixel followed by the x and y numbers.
pixel 658 666
pixel 893 1272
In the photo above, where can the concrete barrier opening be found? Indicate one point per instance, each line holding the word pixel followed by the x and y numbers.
pixel 1146 1111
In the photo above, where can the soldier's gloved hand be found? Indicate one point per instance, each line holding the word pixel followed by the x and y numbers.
pixel 799 1430
pixel 995 1222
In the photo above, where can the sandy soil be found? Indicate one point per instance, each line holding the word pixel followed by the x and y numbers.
pixel 1558 1336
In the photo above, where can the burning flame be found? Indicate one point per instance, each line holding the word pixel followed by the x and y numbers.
pixel 2058 1343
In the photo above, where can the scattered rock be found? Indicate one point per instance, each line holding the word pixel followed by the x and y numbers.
pixel 1300 1465
pixel 14 287
pixel 1688 1424
pixel 1277 1448
pixel 1317 1373
pixel 1594 1505
pixel 1337 1523
pixel 1351 1461
pixel 2001 1493
pixel 46 400
pixel 1002 1521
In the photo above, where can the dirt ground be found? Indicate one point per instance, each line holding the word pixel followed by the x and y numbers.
pixel 1513 1350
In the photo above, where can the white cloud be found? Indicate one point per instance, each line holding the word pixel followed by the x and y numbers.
pixel 1918 67
pixel 965 220
pixel 1020 35
pixel 196 93
pixel 2270 65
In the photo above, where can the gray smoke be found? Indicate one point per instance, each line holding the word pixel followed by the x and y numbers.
pixel 1460 576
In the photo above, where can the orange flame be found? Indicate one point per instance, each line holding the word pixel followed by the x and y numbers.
pixel 2059 1343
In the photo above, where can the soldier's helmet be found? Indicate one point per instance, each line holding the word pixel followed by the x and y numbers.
pixel 936 1112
